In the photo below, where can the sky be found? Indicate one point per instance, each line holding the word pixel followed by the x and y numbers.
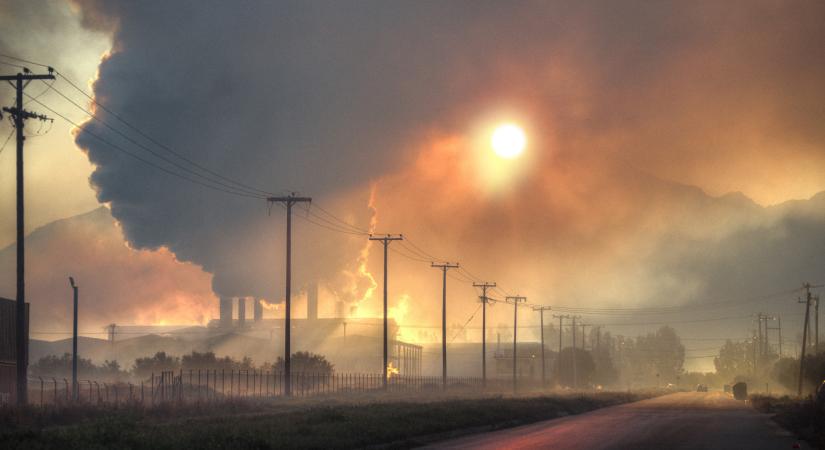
pixel 674 151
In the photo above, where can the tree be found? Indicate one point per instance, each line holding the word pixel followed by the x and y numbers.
pixel 786 373
pixel 659 357
pixel 733 360
pixel 305 362
pixel 585 368
pixel 208 361
pixel 155 364
pixel 61 367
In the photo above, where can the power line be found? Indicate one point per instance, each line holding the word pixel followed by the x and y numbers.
pixel 465 324
pixel 150 138
pixel 11 133
pixel 14 58
pixel 145 161
pixel 251 191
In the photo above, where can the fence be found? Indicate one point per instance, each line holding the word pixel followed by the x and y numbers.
pixel 194 386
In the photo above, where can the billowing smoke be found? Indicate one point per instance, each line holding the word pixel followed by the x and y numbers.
pixel 633 112
pixel 117 283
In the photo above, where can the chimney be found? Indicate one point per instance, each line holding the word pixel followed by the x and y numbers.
pixel 241 311
pixel 225 308
pixel 257 309
pixel 312 301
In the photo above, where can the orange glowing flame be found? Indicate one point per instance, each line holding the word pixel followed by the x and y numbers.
pixel 391 370
pixel 362 275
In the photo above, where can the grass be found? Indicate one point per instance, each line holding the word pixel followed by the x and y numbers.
pixel 800 416
pixel 388 422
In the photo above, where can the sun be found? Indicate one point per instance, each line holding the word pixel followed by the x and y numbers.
pixel 508 141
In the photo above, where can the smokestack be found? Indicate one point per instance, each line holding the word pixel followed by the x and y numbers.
pixel 312 301
pixel 241 311
pixel 225 308
pixel 257 309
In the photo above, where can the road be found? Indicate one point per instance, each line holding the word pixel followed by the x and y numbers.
pixel 685 420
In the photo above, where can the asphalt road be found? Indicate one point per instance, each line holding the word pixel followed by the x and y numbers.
pixel 686 420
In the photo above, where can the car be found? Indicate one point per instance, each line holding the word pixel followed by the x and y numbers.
pixel 701 388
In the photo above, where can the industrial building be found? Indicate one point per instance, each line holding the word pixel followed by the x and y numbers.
pixel 8 349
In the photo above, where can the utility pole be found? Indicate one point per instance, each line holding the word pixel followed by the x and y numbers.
pixel 779 320
pixel 558 357
pixel 816 324
pixel 515 300
pixel 74 340
pixel 385 239
pixel 289 201
pixel 444 267
pixel 761 351
pixel 575 378
pixel 767 334
pixel 111 328
pixel 22 330
pixel 484 300
pixel 584 341
pixel 541 310
pixel 808 298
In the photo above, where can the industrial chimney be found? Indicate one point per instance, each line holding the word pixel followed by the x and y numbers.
pixel 257 309
pixel 241 311
pixel 312 301
pixel 225 309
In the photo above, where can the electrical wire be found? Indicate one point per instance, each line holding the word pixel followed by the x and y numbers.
pixel 2 147
pixel 145 161
pixel 176 164
pixel 14 58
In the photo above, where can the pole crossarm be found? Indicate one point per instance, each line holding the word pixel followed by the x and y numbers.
pixel 385 238
pixel 289 200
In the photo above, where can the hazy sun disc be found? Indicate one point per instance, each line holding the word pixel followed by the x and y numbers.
pixel 508 141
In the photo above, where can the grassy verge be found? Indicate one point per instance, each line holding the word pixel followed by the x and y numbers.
pixel 330 423
pixel 797 415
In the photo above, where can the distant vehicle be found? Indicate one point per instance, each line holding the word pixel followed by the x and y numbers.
pixel 670 386
pixel 701 388
pixel 740 391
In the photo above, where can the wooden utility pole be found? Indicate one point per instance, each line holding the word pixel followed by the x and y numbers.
pixel 575 378
pixel 761 352
pixel 444 267
pixel 558 356
pixel 808 299
pixel 541 310
pixel 779 320
pixel 385 239
pixel 22 330
pixel 289 201
pixel 816 324
pixel 74 340
pixel 484 300
pixel 515 300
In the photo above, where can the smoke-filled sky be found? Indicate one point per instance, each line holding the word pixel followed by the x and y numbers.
pixel 664 140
